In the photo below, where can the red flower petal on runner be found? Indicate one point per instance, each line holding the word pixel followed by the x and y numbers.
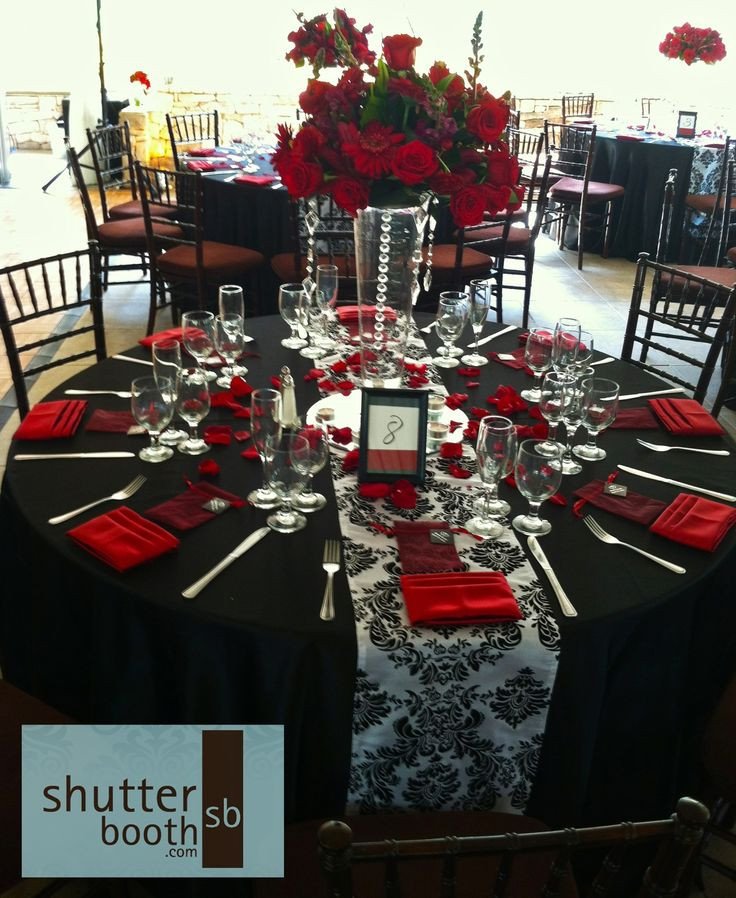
pixel 341 435
pixel 315 374
pixel 276 382
pixel 471 431
pixel 455 400
pixel 469 372
pixel 472 383
pixel 217 434
pixel 404 494
pixel 353 360
pixel 326 386
pixel 533 431
pixel 251 453
pixel 208 468
pixel 451 450
pixel 459 471
pixel 453 425
pixel 414 381
pixel 477 412
pixel 240 388
pixel 345 386
pixel 415 367
pixel 374 490
pixel 241 435
pixel 242 412
pixel 339 367
pixel 350 462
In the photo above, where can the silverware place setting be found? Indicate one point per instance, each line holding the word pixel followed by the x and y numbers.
pixel 605 537
pixel 331 565
pixel 659 447
pixel 125 493
pixel 688 486
pixel 123 394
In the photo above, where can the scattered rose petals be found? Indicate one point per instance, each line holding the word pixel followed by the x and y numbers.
pixel 477 412
pixel 455 400
pixel 417 380
pixel 326 386
pixel 557 499
pixel 251 453
pixel 374 490
pixel 533 431
pixel 341 435
pixel 345 386
pixel 459 471
pixel 404 494
pixel 241 412
pixel 276 382
pixel 451 450
pixel 217 435
pixel 315 374
pixel 241 435
pixel 534 412
pixel 353 360
pixel 208 468
pixel 240 388
pixel 339 367
pixel 471 431
pixel 468 372
pixel 507 401
pixel 415 367
pixel 351 460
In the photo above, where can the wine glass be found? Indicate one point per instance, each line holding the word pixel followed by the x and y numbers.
pixel 584 353
pixel 193 405
pixel 319 452
pixel 310 318
pixel 231 301
pixel 572 418
pixel 229 342
pixel 538 477
pixel 265 420
pixel 452 315
pixel 328 282
pixel 555 394
pixel 537 357
pixel 286 464
pixel 495 451
pixel 480 303
pixel 166 358
pixel 197 329
pixel 152 404
pixel 290 298
pixel 600 404
pixel 565 342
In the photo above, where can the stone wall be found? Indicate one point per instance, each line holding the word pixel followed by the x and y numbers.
pixel 30 119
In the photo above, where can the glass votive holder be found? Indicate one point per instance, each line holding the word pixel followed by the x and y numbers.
pixel 435 407
pixel 436 435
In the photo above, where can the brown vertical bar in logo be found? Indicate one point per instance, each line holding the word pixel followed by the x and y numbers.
pixel 222 798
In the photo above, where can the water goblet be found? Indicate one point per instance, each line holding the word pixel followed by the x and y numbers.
pixel 166 359
pixel 290 299
pixel 584 353
pixel 152 405
pixel 565 340
pixel 452 315
pixel 310 319
pixel 328 283
pixel 600 403
pixel 480 303
pixel 197 329
pixel 538 357
pixel 495 451
pixel 231 301
pixel 265 421
pixel 193 405
pixel 319 452
pixel 572 418
pixel 229 342
pixel 286 465
pixel 555 395
pixel 538 477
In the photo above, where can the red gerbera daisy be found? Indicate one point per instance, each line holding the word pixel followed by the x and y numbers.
pixel 372 149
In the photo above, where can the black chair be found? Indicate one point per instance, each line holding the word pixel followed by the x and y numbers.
pixel 710 207
pixel 192 130
pixel 56 287
pixel 577 106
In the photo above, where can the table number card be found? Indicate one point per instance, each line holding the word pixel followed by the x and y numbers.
pixel 393 435
pixel 686 123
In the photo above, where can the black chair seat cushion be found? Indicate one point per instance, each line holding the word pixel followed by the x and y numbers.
pixel 134 209
pixel 131 232
pixel 473 262
pixel 705 202
pixel 420 878
pixel 284 266
pixel 219 259
pixel 570 190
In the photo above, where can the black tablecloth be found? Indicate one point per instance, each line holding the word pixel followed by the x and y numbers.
pixel 640 667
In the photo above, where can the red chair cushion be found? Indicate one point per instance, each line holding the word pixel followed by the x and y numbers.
pixel 705 202
pixel 219 259
pixel 134 209
pixel 571 190
pixel 131 232
pixel 731 255
pixel 443 259
pixel 725 276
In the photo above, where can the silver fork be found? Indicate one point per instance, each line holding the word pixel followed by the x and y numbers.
pixel 603 535
pixel 331 564
pixel 125 493
pixel 658 447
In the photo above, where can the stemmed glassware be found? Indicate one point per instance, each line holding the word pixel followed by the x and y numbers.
pixel 166 358
pixel 538 357
pixel 572 418
pixel 565 341
pixel 556 391
pixel 328 283
pixel 198 336
pixel 584 354
pixel 538 477
pixel 600 403
pixel 310 318
pixel 152 405
pixel 453 309
pixel 286 463
pixel 319 452
pixel 290 300
pixel 229 343
pixel 265 421
pixel 495 451
pixel 193 405
pixel 480 303
pixel 231 301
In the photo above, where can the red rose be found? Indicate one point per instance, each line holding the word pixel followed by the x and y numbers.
pixel 350 194
pixel 488 120
pixel 502 167
pixel 496 198
pixel 400 50
pixel 446 183
pixel 312 99
pixel 414 162
pixel 300 178
pixel 468 205
pixel 454 88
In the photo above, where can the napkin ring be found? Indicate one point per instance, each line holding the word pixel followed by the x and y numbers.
pixel 216 505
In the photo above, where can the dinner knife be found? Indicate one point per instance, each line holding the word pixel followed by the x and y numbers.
pixel 123 394
pixel 652 393
pixel 687 486
pixel 26 457
pixel 511 327
pixel 128 358
pixel 257 535
pixel 568 609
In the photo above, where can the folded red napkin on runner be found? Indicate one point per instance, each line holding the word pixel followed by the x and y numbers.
pixel 351 313
pixel 418 554
pixel 123 539
pixel 190 508
pixel 686 417
pixel 695 521
pixel 634 419
pixel 633 506
pixel 259 180
pixel 52 420
pixel 470 597
pixel 514 359
pixel 202 151
pixel 173 333
pixel 110 422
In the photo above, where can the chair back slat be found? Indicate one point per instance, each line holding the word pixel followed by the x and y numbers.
pixel 112 160
pixel 192 129
pixel 580 105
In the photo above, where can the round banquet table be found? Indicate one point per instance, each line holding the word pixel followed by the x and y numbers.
pixel 639 668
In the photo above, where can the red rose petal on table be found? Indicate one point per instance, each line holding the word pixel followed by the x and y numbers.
pixel 341 435
pixel 208 468
pixel 251 453
pixel 470 384
pixel 471 431
pixel 345 386
pixel 451 450
pixel 477 412
pixel 459 471
pixel 534 412
pixel 469 372
pixel 217 434
pixel 276 382
pixel 241 412
pixel 414 381
pixel 455 400
pixel 224 400
pixel 374 490
pixel 241 435
pixel 315 374
pixel 326 386
pixel 339 367
pixel 415 367
pixel 351 460
pixel 537 431
pixel 353 359
pixel 404 494
pixel 240 388
pixel 453 425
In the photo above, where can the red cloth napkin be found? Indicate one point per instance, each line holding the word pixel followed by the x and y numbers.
pixel 123 539
pixel 173 333
pixel 634 419
pixel 695 521
pixel 186 511
pixel 110 422
pixel 202 151
pixel 686 417
pixel 52 420
pixel 351 313
pixel 633 506
pixel 259 180
pixel 471 597
pixel 418 555
pixel 206 165
pixel 629 137
pixel 517 362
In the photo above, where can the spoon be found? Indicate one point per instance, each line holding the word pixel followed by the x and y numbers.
pixel 658 447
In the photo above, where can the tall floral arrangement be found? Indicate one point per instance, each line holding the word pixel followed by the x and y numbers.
pixel 385 133
pixel 693 44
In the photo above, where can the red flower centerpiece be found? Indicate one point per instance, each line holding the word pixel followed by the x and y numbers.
pixel 139 77
pixel 693 44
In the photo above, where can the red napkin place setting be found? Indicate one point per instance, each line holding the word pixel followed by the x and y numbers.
pixel 633 506
pixel 202 151
pixel 53 420
pixel 173 333
pixel 123 539
pixel 463 599
pixel 686 417
pixel 258 180
pixel 204 165
pixel 514 359
pixel 202 502
pixel 629 137
pixel 106 421
pixel 426 547
pixel 634 419
pixel 695 521
pixel 352 313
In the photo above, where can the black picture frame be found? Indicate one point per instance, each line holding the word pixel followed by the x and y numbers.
pixel 686 123
pixel 388 417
